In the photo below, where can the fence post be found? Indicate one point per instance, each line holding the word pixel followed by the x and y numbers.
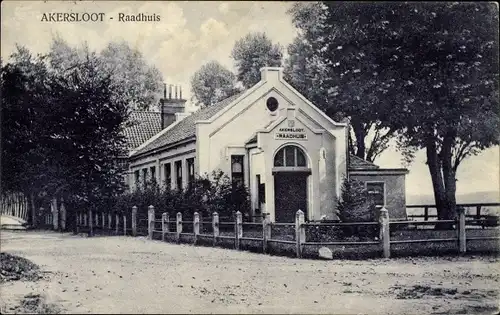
pixel 196 226
pixel 461 230
pixel 124 225
pixel 385 232
pixel 77 218
pixel 103 218
pixel 266 231
pixel 63 215
pixel 238 233
pixel 179 226
pixel 215 226
pixel 41 212
pixel 109 221
pixel 300 235
pixel 151 221
pixel 91 224
pixel 84 219
pixel 164 225
pixel 117 217
pixel 55 214
pixel 134 221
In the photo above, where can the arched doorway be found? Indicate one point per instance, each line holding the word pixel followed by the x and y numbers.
pixel 290 182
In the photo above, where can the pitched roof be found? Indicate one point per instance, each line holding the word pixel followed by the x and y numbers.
pixel 143 125
pixel 356 163
pixel 186 128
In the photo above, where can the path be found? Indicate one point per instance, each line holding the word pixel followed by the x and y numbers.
pixel 134 275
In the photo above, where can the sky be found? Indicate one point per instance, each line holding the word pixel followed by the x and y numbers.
pixel 191 34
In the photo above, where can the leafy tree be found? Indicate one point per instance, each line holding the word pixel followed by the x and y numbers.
pixel 252 52
pixel 426 73
pixel 133 80
pixel 213 83
pixel 139 83
pixel 447 61
pixel 23 84
pixel 63 129
pixel 336 53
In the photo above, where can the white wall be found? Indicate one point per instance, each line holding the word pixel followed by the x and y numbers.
pixel 227 132
pixel 158 160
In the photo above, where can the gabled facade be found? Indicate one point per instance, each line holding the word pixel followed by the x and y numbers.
pixel 281 146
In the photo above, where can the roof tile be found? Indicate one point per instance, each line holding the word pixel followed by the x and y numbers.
pixel 356 163
pixel 186 128
pixel 143 126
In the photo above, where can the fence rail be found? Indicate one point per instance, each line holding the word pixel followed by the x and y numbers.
pixel 177 229
pixel 426 216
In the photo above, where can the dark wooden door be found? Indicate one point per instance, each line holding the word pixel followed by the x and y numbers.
pixel 290 191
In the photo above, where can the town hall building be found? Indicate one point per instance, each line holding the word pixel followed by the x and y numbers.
pixel 271 138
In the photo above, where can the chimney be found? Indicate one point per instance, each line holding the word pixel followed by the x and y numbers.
pixel 180 92
pixel 271 73
pixel 164 90
pixel 172 109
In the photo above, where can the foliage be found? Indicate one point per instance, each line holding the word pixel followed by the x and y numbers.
pixel 62 129
pixel 252 52
pixel 212 83
pixel 336 52
pixel 354 204
pixel 17 268
pixel 455 61
pixel 206 195
pixel 426 73
pixel 139 83
pixel 134 81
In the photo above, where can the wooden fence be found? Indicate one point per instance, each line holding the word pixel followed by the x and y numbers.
pixel 215 231
pixel 15 204
pixel 477 207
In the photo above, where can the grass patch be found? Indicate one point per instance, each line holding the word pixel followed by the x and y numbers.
pixel 32 304
pixel 14 268
pixel 420 291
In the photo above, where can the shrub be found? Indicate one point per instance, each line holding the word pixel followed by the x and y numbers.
pixel 17 268
pixel 205 195
pixel 355 205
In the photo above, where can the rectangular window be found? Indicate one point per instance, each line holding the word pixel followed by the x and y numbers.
pixel 136 178
pixel 178 174
pixel 145 177
pixel 167 168
pixel 261 194
pixel 377 192
pixel 190 169
pixel 237 169
pixel 153 174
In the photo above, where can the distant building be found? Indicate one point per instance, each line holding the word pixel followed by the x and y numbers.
pixel 271 138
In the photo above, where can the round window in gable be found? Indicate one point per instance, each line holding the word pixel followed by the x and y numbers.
pixel 272 104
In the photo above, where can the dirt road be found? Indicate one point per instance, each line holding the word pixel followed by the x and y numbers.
pixel 134 275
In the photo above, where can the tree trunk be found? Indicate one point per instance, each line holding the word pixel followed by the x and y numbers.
pixel 434 164
pixel 449 176
pixel 33 210
pixel 360 135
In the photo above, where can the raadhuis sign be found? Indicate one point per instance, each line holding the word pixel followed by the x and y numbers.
pixel 290 134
